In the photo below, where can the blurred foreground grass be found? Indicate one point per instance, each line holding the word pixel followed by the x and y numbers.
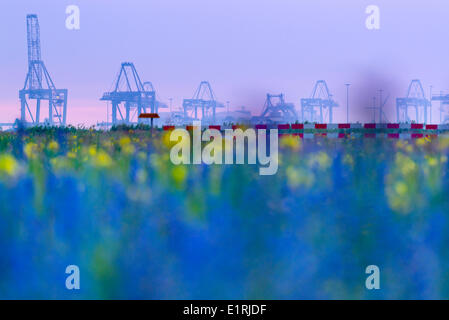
pixel 139 227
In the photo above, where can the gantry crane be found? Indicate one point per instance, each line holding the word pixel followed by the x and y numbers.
pixel 277 110
pixel 130 97
pixel 39 84
pixel 148 86
pixel 443 98
pixel 416 99
pixel 318 108
pixel 203 100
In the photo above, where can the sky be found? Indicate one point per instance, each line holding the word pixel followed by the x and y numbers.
pixel 244 48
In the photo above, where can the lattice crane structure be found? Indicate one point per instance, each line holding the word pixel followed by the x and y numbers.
pixel 203 101
pixel 39 85
pixel 414 99
pixel 318 108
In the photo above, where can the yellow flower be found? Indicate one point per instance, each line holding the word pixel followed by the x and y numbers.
pixel 401 188
pixel 179 174
pixel 92 151
pixel 322 159
pixel 299 177
pixel 401 144
pixel 421 142
pixel 124 141
pixel 71 155
pixel 409 148
pixel 8 164
pixel 290 141
pixel 432 161
pixel 166 140
pixel 108 144
pixel 125 144
pixel 53 146
pixel 405 164
pixel 102 159
pixel 128 149
pixel 400 196
pixel 30 150
pixel 443 142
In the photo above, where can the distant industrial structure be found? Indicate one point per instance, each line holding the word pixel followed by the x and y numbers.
pixel 415 99
pixel 444 106
pixel 203 100
pixel 318 108
pixel 130 97
pixel 238 115
pixel 379 115
pixel 277 110
pixel 39 85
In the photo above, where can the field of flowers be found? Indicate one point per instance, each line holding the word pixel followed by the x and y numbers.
pixel 139 227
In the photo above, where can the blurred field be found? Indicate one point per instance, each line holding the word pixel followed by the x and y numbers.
pixel 139 227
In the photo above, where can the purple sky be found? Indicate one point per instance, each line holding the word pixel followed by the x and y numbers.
pixel 245 48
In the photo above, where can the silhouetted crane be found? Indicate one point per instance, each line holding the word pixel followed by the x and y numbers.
pixel 130 97
pixel 318 108
pixel 203 100
pixel 416 99
pixel 39 84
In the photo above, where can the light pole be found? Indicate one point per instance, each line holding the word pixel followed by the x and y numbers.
pixel 430 104
pixel 171 99
pixel 380 105
pixel 347 102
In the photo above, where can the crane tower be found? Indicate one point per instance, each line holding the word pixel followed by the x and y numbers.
pixel 130 97
pixel 443 98
pixel 416 99
pixel 277 110
pixel 318 108
pixel 39 84
pixel 203 100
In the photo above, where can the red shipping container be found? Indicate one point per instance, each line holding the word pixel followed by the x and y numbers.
pixel 298 126
pixel 283 126
pixel 393 126
pixel 417 126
